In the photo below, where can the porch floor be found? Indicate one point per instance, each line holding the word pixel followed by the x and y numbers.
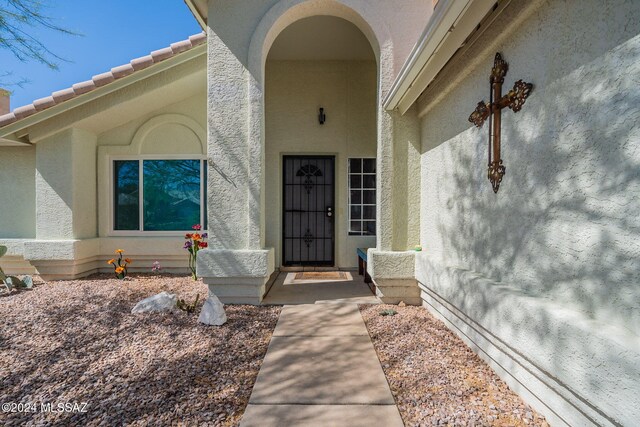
pixel 321 369
pixel 286 291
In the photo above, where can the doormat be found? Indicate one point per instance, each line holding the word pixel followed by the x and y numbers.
pixel 321 275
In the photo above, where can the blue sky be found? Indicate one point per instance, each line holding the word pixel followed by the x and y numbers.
pixel 114 32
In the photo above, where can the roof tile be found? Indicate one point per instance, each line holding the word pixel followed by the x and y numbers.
pixel 83 87
pixel 198 39
pixel 122 71
pixel 162 54
pixel 102 79
pixel 142 63
pixel 44 103
pixel 7 119
pixel 180 46
pixel 63 95
pixel 22 112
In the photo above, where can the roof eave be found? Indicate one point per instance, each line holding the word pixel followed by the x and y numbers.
pixel 452 22
pixel 20 127
pixel 9 142
pixel 199 9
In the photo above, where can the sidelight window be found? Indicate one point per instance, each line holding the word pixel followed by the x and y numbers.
pixel 362 197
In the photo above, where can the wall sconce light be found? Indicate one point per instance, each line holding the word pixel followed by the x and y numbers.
pixel 492 110
pixel 321 116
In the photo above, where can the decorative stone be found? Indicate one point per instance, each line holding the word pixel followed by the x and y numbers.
pixel 157 303
pixel 213 312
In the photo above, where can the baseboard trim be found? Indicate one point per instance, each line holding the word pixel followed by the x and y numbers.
pixel 543 392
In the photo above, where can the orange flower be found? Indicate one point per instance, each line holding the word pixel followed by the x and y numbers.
pixel 119 251
pixel 111 261
pixel 196 237
pixel 127 260
pixel 119 270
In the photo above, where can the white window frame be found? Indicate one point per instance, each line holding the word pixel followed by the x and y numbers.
pixel 362 204
pixel 140 159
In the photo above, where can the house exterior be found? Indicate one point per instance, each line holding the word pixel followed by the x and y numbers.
pixel 298 131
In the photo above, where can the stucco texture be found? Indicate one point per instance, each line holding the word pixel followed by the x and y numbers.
pixel 294 92
pixel 17 192
pixel 239 41
pixel 564 226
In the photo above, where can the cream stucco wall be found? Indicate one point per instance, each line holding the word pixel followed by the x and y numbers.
pixel 550 265
pixel 174 130
pixel 294 92
pixel 17 192
pixel 239 39
pixel 236 23
pixel 66 186
pixel 163 115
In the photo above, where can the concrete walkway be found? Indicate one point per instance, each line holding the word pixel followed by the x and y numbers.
pixel 321 370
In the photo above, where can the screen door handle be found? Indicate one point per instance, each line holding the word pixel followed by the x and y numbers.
pixel 329 211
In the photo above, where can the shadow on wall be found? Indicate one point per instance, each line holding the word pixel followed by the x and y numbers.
pixel 560 242
pixel 227 176
pixel 565 222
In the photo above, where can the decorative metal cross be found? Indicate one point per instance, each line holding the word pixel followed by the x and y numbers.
pixel 513 99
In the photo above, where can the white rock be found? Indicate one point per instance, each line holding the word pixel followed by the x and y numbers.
pixel 157 303
pixel 213 312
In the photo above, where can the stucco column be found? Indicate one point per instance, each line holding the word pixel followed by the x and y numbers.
pixel 236 267
pixel 66 211
pixel 392 264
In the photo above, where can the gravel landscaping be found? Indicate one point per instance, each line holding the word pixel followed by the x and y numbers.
pixel 75 342
pixel 435 378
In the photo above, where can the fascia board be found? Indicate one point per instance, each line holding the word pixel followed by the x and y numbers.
pixel 200 13
pixel 452 23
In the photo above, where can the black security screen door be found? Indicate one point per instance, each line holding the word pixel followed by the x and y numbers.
pixel 308 206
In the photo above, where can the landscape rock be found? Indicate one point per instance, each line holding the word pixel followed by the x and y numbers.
pixel 137 370
pixel 157 303
pixel 436 378
pixel 213 312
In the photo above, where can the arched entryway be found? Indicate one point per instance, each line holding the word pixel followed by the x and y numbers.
pixel 320 170
pixel 245 184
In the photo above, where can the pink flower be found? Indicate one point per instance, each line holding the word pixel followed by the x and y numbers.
pixel 196 227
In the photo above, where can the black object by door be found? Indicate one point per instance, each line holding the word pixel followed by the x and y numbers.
pixel 308 210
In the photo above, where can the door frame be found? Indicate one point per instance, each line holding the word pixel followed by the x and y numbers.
pixel 333 204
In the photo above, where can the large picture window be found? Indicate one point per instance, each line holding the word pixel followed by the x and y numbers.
pixel 158 194
pixel 362 197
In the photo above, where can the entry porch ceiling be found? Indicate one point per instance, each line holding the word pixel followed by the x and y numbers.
pixel 321 38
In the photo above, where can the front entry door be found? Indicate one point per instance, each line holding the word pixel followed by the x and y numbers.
pixel 308 206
